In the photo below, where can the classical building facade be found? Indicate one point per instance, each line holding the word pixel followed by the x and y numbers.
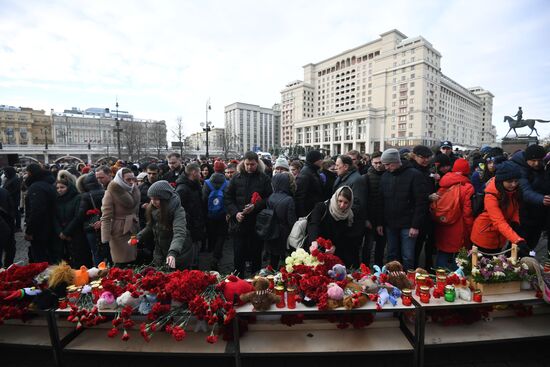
pixel 388 92
pixel 488 130
pixel 24 126
pixel 97 127
pixel 253 127
pixel 195 143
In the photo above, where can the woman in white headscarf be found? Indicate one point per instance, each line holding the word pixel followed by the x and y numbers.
pixel 333 219
pixel 119 220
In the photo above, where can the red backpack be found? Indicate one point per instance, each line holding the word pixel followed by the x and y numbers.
pixel 447 209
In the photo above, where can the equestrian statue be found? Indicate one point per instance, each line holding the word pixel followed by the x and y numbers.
pixel 520 122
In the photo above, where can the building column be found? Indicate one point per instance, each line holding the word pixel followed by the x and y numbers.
pixel 89 158
pixel 368 144
pixel 382 134
pixel 46 158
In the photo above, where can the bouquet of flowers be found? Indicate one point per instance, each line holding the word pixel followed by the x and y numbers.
pixel 300 257
pixel 498 269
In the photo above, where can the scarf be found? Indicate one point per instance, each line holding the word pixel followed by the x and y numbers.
pixel 335 211
pixel 120 181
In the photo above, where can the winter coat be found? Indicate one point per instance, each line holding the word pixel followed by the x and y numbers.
pixel 119 221
pixel 172 241
pixel 372 180
pixel 239 193
pixel 322 224
pixel 309 190
pixel 13 185
pixel 451 238
pixel 282 203
pixel 404 197
pixel 358 185
pixel 492 227
pixel 143 188
pixel 39 206
pixel 68 222
pixel 91 197
pixel 329 179
pixel 534 185
pixel 190 193
pixel 172 176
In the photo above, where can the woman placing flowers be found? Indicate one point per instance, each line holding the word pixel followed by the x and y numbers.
pixel 333 220
pixel 494 226
pixel 166 222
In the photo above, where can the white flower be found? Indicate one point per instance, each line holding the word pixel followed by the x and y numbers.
pixel 475 271
pixel 499 274
pixel 289 268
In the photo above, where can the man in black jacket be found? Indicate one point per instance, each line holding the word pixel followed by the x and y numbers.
pixel 176 168
pixel 420 159
pixel 39 210
pixel 309 187
pixel 190 191
pixel 405 200
pixel 13 185
pixel 372 178
pixel 7 229
pixel 242 212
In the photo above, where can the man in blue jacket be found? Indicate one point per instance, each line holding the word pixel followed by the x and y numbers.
pixel 535 187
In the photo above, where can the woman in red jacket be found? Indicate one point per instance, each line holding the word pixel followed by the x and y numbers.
pixel 450 238
pixel 493 227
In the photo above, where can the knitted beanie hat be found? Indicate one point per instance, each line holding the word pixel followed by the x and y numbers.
pixel 461 165
pixel 507 171
pixel 313 156
pixel 390 156
pixel 161 190
pixel 534 152
pixel 283 163
pixel 219 166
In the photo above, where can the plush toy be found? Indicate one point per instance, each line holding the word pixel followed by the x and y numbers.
pixel 106 301
pixel 261 298
pixel 84 275
pixel 463 293
pixel 126 299
pixel 335 296
pixel 147 303
pixel 234 287
pixel 396 276
pixel 369 286
pixel 338 272
pixel 353 296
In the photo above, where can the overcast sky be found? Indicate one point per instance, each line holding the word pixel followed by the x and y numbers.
pixel 164 59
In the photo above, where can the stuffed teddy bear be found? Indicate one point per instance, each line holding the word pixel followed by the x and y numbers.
pixel 353 296
pixel 261 298
pixel 338 272
pixel 396 276
pixel 147 302
pixel 126 299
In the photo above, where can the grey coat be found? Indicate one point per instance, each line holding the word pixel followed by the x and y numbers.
pixel 174 241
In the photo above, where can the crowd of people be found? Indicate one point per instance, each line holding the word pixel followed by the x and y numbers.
pixel 418 206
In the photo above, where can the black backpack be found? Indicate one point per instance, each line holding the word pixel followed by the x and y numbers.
pixel 478 204
pixel 267 225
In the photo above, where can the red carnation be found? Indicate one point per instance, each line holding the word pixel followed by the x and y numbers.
pixel 212 339
pixel 255 198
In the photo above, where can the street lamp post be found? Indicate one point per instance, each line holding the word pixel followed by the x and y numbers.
pixel 118 129
pixel 207 126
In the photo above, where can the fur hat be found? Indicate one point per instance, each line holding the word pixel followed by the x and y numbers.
pixel 161 189
pixel 390 156
pixel 461 165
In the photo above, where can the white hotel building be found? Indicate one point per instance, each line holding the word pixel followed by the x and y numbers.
pixel 387 93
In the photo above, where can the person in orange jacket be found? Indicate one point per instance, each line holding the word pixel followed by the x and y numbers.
pixel 493 227
pixel 450 238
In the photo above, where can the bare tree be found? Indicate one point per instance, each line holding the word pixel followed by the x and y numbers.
pixel 177 133
pixel 158 136
pixel 133 139
pixel 229 143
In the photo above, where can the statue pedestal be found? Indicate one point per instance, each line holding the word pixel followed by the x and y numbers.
pixel 511 145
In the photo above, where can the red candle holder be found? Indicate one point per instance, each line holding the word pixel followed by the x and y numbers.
pixel 291 298
pixel 441 282
pixel 477 296
pixel 406 297
pixel 411 275
pixel 424 294
pixel 280 291
pixel 271 279
pixel 420 282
